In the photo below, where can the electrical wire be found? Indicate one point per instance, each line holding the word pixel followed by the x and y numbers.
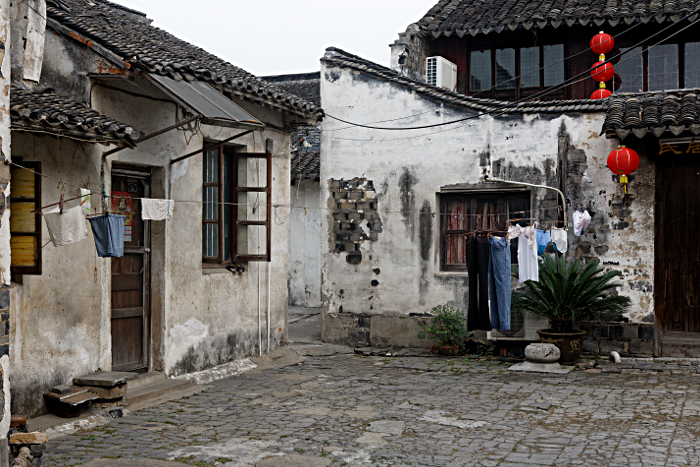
pixel 510 105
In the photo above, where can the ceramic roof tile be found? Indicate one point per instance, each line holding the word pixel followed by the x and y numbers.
pixel 132 38
pixel 45 111
pixel 478 16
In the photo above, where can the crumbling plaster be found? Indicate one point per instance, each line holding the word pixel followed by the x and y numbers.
pixel 408 168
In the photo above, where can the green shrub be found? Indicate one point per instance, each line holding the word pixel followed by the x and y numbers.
pixel 447 327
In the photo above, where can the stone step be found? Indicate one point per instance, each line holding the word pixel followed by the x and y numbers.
pixel 157 391
pixel 105 379
pixel 145 379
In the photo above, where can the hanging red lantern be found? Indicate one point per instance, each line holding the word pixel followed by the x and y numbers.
pixel 601 93
pixel 602 71
pixel 623 161
pixel 602 43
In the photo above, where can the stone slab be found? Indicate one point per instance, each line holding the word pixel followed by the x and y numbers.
pixel 553 368
pixel 28 438
pixel 132 462
pixel 293 460
pixel 105 379
pixel 108 394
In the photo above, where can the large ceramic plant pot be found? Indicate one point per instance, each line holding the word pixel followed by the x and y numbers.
pixel 570 343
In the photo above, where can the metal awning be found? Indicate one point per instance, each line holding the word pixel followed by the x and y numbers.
pixel 203 100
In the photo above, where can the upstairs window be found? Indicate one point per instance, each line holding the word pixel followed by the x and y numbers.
pixel 658 68
pixel 663 67
pixel 236 208
pixel 512 73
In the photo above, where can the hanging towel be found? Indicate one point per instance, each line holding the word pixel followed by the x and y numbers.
pixel 528 268
pixel 156 209
pixel 581 222
pixel 108 230
pixel 559 237
pixel 67 227
pixel 85 201
pixel 543 239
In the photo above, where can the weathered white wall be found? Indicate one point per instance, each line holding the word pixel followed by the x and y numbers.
pixel 305 245
pixel 58 326
pixel 399 272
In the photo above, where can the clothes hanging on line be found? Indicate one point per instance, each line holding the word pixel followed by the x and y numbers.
pixel 478 269
pixel 560 239
pixel 514 231
pixel 581 222
pixel 499 282
pixel 528 268
pixel 66 227
pixel 85 201
pixel 156 209
pixel 543 239
pixel 108 230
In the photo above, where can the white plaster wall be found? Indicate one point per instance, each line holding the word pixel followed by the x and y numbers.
pixel 58 326
pixel 210 316
pixel 409 167
pixel 305 245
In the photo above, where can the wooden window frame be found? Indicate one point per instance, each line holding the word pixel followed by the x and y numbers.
pixel 37 268
pixel 445 196
pixel 232 206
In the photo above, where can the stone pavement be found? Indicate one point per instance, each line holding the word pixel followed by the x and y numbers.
pixel 345 409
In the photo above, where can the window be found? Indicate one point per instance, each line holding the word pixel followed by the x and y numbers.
pixel 25 226
pixel 692 64
pixel 530 67
pixel 554 64
pixel 505 69
pixel 480 70
pixel 631 70
pixel 663 67
pixel 467 212
pixel 236 209
pixel 502 73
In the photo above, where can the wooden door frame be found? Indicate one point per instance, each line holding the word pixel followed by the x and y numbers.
pixel 142 173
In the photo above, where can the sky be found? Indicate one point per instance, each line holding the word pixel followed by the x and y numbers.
pixel 268 37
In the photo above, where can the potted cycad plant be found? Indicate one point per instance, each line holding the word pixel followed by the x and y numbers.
pixel 447 327
pixel 568 292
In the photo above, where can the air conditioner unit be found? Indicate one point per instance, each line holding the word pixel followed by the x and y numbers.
pixel 523 327
pixel 441 72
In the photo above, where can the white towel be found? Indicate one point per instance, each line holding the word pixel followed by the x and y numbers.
pixel 560 239
pixel 581 222
pixel 156 209
pixel 66 228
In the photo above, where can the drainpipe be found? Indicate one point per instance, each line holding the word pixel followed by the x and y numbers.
pixel 269 287
pixel 259 328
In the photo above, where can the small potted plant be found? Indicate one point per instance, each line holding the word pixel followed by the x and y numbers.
pixel 568 292
pixel 447 327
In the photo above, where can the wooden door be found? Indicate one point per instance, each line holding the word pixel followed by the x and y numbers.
pixel 677 256
pixel 130 275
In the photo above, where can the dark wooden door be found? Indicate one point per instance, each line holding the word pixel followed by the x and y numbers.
pixel 130 275
pixel 677 256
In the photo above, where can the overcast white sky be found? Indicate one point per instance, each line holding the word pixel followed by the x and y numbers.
pixel 267 37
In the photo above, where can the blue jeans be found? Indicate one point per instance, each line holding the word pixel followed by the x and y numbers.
pixel 499 283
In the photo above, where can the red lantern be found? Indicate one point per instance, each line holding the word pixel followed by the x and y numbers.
pixel 601 93
pixel 623 161
pixel 602 43
pixel 602 71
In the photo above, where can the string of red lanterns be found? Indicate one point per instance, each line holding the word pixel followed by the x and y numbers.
pixel 601 44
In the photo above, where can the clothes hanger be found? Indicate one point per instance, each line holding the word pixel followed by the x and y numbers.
pixel 60 203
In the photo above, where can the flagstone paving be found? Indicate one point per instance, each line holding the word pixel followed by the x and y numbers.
pixel 347 409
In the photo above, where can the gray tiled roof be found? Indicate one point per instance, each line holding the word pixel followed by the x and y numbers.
pixel 45 111
pixel 143 46
pixel 339 58
pixel 461 17
pixel 306 164
pixel 306 85
pixel 656 113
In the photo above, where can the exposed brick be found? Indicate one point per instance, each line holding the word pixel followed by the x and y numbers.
pixel 4 299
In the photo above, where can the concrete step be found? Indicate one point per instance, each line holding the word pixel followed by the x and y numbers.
pixel 155 392
pixel 145 379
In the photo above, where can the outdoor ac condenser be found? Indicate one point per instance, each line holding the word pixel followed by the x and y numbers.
pixel 441 72
pixel 523 327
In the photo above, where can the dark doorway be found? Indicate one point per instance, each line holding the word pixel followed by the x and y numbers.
pixel 130 274
pixel 677 256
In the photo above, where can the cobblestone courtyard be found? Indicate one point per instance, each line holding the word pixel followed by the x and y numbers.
pixel 347 409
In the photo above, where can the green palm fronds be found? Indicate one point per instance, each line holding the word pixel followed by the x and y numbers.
pixel 568 292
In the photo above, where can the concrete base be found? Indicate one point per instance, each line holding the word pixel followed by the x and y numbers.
pixel 373 330
pixel 553 368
